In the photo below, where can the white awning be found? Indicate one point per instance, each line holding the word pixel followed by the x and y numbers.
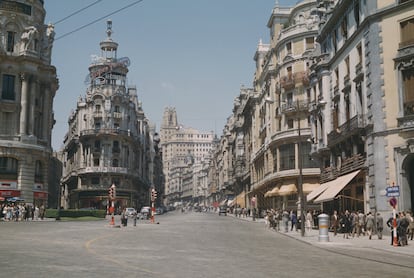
pixel 335 187
pixel 319 190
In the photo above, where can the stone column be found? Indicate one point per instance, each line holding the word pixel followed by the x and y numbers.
pixel 46 114
pixel 31 110
pixel 23 110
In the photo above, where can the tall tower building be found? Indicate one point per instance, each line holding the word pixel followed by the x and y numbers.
pixel 109 139
pixel 29 83
pixel 181 148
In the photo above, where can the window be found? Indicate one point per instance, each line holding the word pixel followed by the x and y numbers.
pixel 95 180
pixel 287 157
pixel 289 73
pixel 6 123
pixel 8 165
pixel 335 113
pixel 8 87
pixel 289 48
pixel 334 40
pixel 115 163
pixel 307 162
pixel 359 49
pixel 96 162
pixel 274 153
pixel 38 172
pixel 10 41
pixel 407 32
pixel 408 83
pixel 290 123
pixel 347 66
pixel 344 28
pixel 310 42
pixel 356 12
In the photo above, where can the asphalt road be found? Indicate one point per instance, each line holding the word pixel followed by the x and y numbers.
pixel 182 245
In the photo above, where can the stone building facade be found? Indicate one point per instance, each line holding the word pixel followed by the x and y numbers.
pixel 330 109
pixel 182 148
pixel 109 141
pixel 29 83
pixel 364 73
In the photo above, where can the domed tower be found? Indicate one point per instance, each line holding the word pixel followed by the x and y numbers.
pixel 108 141
pixel 28 86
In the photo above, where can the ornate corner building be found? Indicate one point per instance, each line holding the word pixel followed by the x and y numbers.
pixel 109 140
pixel 28 86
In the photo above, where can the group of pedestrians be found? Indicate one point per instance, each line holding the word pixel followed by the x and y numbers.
pixel 357 224
pixel 285 220
pixel 22 212
pixel 404 224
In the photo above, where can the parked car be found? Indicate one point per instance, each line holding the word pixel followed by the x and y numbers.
pixel 145 212
pixel 223 210
pixel 130 211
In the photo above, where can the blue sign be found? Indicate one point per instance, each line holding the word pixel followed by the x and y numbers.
pixel 393 191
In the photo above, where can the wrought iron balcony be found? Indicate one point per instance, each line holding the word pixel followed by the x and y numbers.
pixel 349 128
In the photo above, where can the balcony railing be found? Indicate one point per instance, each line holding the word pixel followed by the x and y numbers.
pixel 295 106
pixel 98 131
pixel 347 129
pixel 350 164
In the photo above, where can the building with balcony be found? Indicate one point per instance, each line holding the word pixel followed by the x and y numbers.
pixel 362 82
pixel 281 127
pixel 29 84
pixel 181 148
pixel 109 141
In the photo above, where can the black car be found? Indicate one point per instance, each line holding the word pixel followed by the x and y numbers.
pixel 223 210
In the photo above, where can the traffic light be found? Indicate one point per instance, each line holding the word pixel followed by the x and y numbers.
pixel 153 194
pixel 112 192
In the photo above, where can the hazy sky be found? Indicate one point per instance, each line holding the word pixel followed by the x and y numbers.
pixel 193 55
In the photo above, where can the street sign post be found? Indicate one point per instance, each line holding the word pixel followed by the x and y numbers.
pixel 393 191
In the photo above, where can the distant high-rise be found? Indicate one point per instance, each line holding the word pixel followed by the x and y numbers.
pixel 181 147
pixel 29 83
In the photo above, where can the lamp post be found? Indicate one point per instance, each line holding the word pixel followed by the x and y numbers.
pixel 300 179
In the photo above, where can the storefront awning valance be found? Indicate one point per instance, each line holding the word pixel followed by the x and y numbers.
pixel 287 190
pixel 335 187
pixel 273 192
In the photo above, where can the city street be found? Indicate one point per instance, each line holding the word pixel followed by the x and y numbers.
pixel 181 245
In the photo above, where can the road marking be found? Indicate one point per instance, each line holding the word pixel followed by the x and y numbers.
pixel 88 247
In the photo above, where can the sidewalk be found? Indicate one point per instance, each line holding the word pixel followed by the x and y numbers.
pixel 312 237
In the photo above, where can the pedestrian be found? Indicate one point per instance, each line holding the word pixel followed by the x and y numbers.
pixel 390 224
pixel 380 225
pixel 345 222
pixel 370 222
pixel 402 229
pixel 334 222
pixel 135 216
pixel 285 219
pixel 42 212
pixel 124 218
pixel 309 221
pixel 361 223
pixel 355 224
pixel 410 218
pixel 293 220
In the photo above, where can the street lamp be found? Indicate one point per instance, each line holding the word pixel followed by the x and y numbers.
pixel 300 180
pixel 302 202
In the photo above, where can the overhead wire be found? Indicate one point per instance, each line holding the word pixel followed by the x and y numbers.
pixel 76 12
pixel 98 19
